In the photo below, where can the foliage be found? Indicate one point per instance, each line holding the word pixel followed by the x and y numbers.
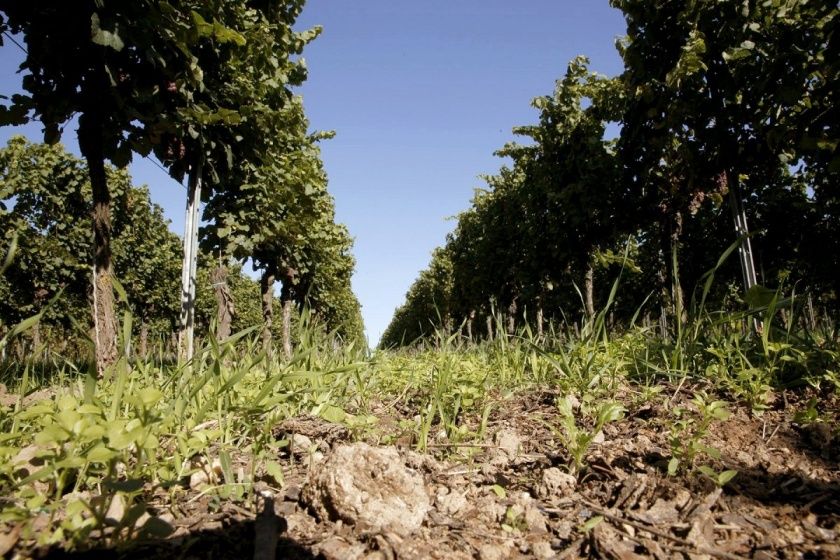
pixel 576 439
pixel 301 244
pixel 539 225
pixel 136 436
pixel 74 454
pixel 689 429
pixel 244 290
pixel 714 101
pixel 715 92
pixel 195 82
pixel 206 86
pixel 46 195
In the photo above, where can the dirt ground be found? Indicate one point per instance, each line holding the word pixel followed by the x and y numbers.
pixel 513 497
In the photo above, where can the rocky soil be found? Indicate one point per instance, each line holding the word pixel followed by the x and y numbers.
pixel 512 494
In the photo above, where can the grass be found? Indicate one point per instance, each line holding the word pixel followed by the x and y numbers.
pixel 73 446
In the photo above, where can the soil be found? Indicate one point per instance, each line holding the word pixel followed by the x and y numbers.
pixel 512 496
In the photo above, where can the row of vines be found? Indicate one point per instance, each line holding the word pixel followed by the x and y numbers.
pixel 726 112
pixel 207 88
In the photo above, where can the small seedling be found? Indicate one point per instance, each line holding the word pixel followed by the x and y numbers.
pixel 514 520
pixel 576 439
pixel 499 491
pixel 809 414
pixel 591 523
pixel 720 479
pixel 689 430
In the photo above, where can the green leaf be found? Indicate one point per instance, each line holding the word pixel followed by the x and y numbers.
pixel 102 37
pixel 610 412
pixel 591 523
pixel 120 438
pixel 119 289
pixel 726 476
pixel 275 471
pixel 90 409
pixel 203 28
pixel 70 463
pixel 332 413
pixel 43 408
pixel 41 474
pixel 227 467
pixel 100 454
pixel 708 471
pixel 758 296
pixel 720 412
pixel 50 435
pixel 733 55
pixel 93 432
pixel 10 253
pixel 25 325
pixel 150 396
pixel 227 35
pixel 67 419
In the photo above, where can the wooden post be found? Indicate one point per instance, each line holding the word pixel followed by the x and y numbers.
pixel 224 302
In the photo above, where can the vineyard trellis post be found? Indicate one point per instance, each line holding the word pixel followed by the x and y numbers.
pixel 745 254
pixel 188 268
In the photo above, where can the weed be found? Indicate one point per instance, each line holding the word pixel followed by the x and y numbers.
pixel 808 415
pixel 689 430
pixel 514 521
pixel 719 479
pixel 576 439
pixel 146 426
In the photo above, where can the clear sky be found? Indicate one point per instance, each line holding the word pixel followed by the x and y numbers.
pixel 420 94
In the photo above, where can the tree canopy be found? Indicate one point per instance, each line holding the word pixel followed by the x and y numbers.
pixel 205 86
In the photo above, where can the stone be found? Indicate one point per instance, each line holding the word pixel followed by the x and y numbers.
pixel 509 441
pixel 556 483
pixel 450 503
pixel 368 487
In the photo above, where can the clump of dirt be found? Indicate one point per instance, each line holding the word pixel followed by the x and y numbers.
pixel 369 488
pixel 9 400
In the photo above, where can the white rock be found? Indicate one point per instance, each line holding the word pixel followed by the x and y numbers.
pixel 509 442
pixel 216 469
pixel 369 487
pixel 116 509
pixel 301 444
pixel 535 519
pixel 317 457
pixel 492 551
pixel 556 483
pixel 451 503
pixel 542 550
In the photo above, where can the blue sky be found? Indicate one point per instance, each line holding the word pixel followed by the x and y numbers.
pixel 420 95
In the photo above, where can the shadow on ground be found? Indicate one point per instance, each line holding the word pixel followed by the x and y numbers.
pixel 233 541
